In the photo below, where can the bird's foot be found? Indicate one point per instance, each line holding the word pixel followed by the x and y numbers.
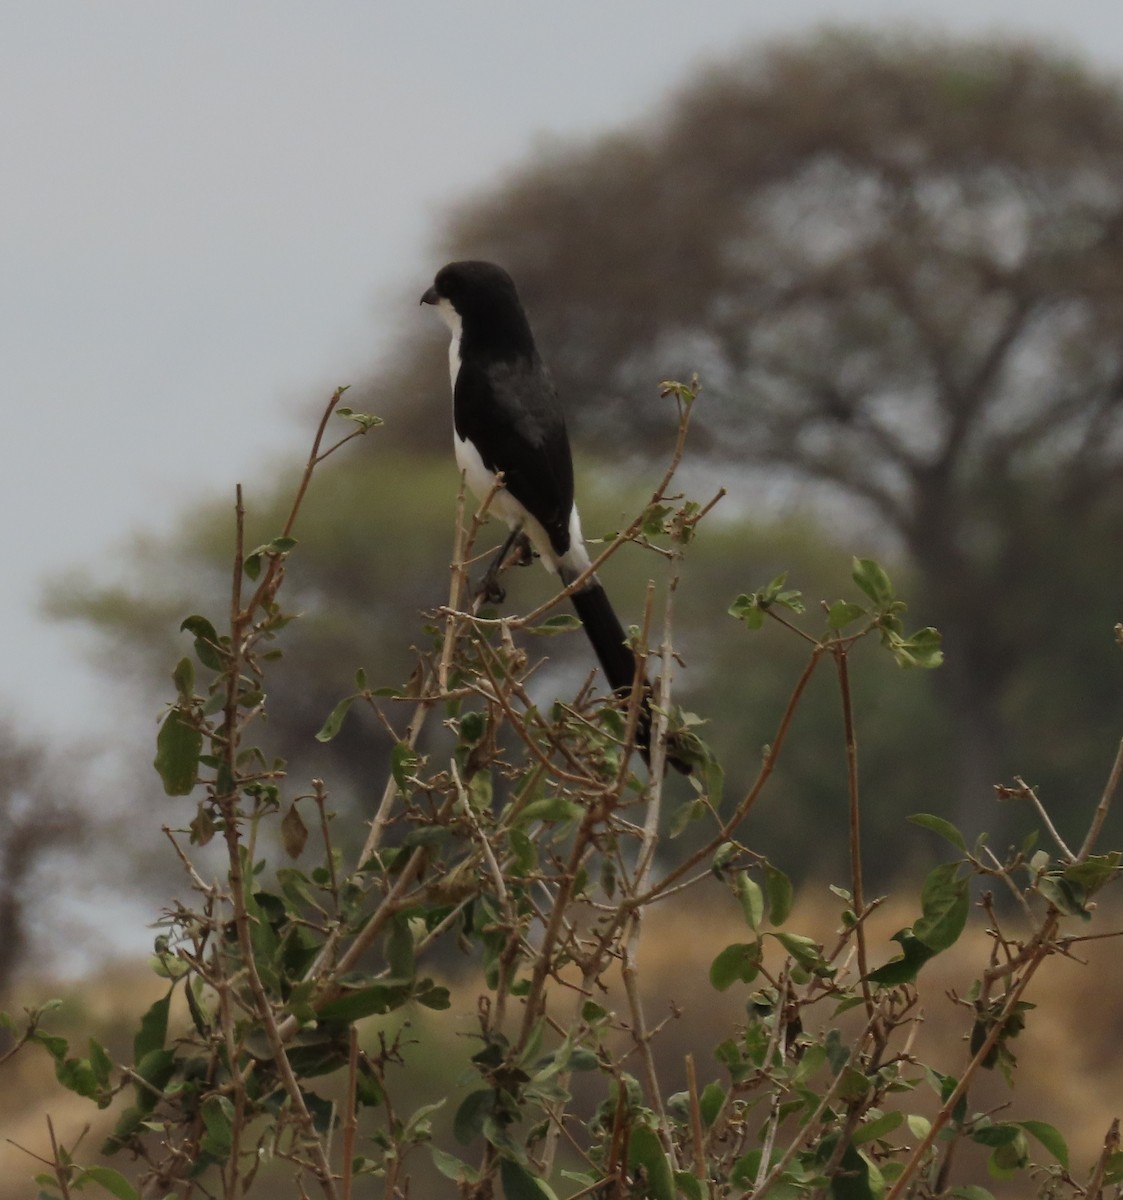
pixel 521 553
pixel 490 590
pixel 517 552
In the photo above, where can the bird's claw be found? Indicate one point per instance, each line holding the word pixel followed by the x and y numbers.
pixel 490 590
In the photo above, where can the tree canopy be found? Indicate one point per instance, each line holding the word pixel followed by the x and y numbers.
pixel 897 266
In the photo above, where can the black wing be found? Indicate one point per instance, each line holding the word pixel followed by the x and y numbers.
pixel 508 409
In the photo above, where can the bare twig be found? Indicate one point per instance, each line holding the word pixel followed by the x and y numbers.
pixel 1025 792
pixel 842 663
pixel 1104 806
pixel 350 1118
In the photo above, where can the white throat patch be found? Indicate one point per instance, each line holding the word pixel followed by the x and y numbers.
pixel 451 318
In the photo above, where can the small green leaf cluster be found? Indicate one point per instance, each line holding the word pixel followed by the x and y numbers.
pixel 882 613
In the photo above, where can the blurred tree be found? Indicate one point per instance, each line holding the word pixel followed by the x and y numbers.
pixel 897 264
pixel 366 567
pixel 38 819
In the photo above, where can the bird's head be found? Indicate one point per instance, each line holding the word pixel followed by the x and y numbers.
pixel 480 295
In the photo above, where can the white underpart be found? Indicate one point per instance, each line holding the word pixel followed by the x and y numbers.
pixel 503 504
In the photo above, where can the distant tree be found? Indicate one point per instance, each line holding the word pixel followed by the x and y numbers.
pixel 894 265
pixel 897 264
pixel 38 819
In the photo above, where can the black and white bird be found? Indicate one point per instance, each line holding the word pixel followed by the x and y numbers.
pixel 507 420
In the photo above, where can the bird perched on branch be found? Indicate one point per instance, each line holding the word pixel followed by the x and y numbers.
pixel 508 422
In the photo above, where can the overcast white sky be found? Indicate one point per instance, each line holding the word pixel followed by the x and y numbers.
pixel 212 213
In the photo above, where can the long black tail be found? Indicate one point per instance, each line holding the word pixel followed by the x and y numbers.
pixel 607 636
pixel 618 662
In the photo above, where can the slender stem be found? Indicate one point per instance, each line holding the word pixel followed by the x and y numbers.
pixel 1031 795
pixel 1013 997
pixel 781 1165
pixel 269 577
pixel 696 1132
pixel 642 1039
pixel 842 662
pixel 1104 805
pixel 1094 1190
pixel 62 1173
pixel 350 1119
pixel 750 798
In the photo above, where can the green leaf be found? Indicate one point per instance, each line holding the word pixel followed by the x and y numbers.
pixel 740 961
pixel 335 719
pixel 922 649
pixel 218 1117
pixel 100 1063
pixel 751 608
pixel 946 902
pixel 420 1126
pixel 745 1169
pixel 382 997
pixel 553 808
pixel 365 421
pixel 853 1084
pixel 207 645
pixel 745 608
pixel 184 679
pixel 113 1181
pixel 435 997
pixel 452 1168
pixel 1094 872
pixel 646 1151
pixel 520 1184
pixel 404 760
pixel 972 1191
pixel 153 1029
pixel 723 855
pixel 178 746
pixel 473 726
pixel 872 579
pixel 692 810
pixel 710 1102
pixel 855 1179
pixel 1050 1138
pixel 751 895
pixel 474 1109
pixel 55 1046
pixel 562 623
pixel 155 1069
pixel 128 1123
pixel 399 949
pixel 1066 897
pixel 812 1059
pixel 842 613
pixel 1114 1167
pixel 903 968
pixel 805 951
pixel 689 1185
pixel 780 894
pixel 994 1134
pixel 878 1127
pixel 938 825
pixel 1009 1158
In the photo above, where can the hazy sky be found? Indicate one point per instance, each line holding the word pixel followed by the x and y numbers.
pixel 212 213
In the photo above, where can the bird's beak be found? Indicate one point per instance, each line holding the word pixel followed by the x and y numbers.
pixel 430 296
